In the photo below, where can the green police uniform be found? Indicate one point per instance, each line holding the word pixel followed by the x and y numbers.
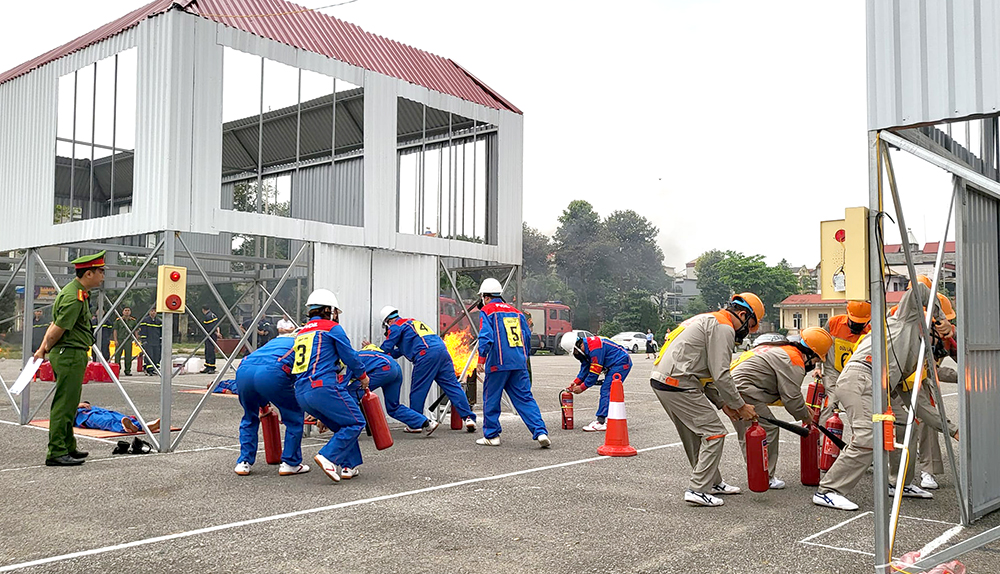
pixel 71 311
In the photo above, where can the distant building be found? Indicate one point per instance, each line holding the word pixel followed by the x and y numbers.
pixel 685 286
pixel 923 262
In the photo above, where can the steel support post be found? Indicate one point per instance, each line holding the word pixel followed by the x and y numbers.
pixel 210 285
pixel 879 370
pixel 29 320
pixel 166 351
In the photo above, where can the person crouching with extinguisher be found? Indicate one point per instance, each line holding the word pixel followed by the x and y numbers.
pixel 265 376
pixel 691 379
pixel 324 363
pixel 772 372
pixel 598 356
pixel 384 373
pixel 854 391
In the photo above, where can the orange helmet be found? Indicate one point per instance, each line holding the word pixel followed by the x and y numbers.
pixel 859 311
pixel 755 304
pixel 817 339
pixel 946 308
pixel 922 279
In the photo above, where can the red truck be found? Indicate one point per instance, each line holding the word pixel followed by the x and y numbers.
pixel 448 311
pixel 550 321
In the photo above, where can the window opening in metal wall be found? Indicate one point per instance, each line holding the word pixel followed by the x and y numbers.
pixel 95 139
pixel 293 144
pixel 443 179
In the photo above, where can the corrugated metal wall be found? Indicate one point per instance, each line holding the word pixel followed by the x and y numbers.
pixel 330 194
pixel 977 237
pixel 932 60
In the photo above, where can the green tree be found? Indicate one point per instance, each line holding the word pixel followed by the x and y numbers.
pixel 535 250
pixel 582 255
pixel 638 262
pixel 714 291
pixel 750 273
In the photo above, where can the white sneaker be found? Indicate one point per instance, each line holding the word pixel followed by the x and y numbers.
pixel 775 483
pixel 927 481
pixel 911 491
pixel 412 431
pixel 470 425
pixel 242 468
pixel 347 473
pixel 327 467
pixel 431 425
pixel 595 426
pixel 833 500
pixel 543 440
pixel 489 441
pixel 723 488
pixel 702 498
pixel 286 469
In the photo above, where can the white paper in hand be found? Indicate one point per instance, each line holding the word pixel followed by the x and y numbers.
pixel 26 375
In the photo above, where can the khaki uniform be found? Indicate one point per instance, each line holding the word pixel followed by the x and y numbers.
pixel 928 447
pixel 71 311
pixel 840 352
pixel 770 375
pixel 691 379
pixel 854 390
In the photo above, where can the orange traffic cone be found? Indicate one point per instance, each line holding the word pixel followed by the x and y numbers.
pixel 616 437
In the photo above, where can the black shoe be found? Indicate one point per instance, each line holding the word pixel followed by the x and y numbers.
pixel 64 460
pixel 207 371
pixel 79 454
pixel 128 373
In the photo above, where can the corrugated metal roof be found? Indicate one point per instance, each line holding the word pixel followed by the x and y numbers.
pixel 305 29
pixel 816 300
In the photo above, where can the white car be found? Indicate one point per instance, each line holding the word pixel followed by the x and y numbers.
pixel 569 339
pixel 633 341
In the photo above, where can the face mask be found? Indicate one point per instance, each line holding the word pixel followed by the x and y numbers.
pixel 856 328
pixel 480 304
pixel 743 331
pixel 580 356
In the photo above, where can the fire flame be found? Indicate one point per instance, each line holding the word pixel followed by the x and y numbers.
pixel 461 345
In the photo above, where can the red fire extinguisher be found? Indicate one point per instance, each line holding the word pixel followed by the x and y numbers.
pixel 375 416
pixel 815 395
pixel 456 420
pixel 830 450
pixel 809 447
pixel 756 441
pixel 272 435
pixel 566 400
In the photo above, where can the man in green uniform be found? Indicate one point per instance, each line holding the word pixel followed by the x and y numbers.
pixel 123 344
pixel 66 341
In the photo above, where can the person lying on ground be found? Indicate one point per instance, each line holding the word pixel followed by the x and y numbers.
pixel 99 418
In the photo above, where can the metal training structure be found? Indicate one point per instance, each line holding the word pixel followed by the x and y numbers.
pixel 257 143
pixel 934 77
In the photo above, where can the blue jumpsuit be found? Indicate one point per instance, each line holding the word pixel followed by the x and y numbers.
pixel 102 419
pixel 324 364
pixel 265 377
pixel 431 362
pixel 605 357
pixel 504 346
pixel 384 373
pixel 227 387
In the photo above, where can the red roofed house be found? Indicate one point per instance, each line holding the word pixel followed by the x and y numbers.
pixel 800 311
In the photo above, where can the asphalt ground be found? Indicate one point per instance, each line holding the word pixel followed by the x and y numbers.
pixel 431 504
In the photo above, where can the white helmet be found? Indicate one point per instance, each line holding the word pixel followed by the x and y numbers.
pixel 568 341
pixel 386 312
pixel 491 286
pixel 322 298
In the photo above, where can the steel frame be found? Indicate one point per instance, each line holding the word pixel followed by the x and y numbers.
pixel 886 517
pixel 165 251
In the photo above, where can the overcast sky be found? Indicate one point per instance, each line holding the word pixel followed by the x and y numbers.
pixel 730 124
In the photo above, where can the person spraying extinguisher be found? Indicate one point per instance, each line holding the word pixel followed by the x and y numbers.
pixel 384 373
pixel 772 373
pixel 265 377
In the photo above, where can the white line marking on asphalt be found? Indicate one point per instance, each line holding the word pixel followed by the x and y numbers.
pixel 948 395
pixel 839 548
pixel 940 540
pixel 929 520
pixel 104 440
pixel 834 527
pixel 297 513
